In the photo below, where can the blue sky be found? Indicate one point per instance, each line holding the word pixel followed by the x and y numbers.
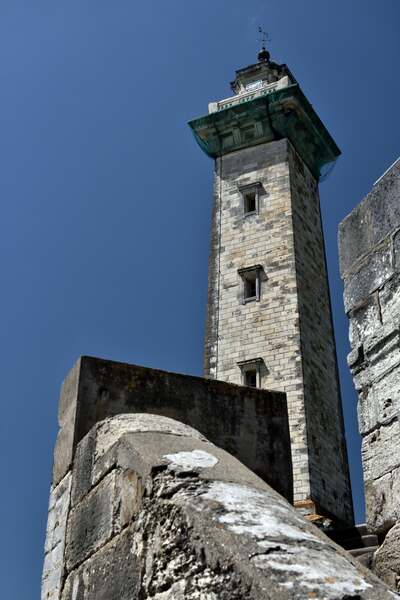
pixel 106 199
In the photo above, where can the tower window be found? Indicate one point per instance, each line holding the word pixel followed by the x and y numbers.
pixel 251 283
pixel 251 372
pixel 249 203
pixel 250 378
pixel 250 286
pixel 250 195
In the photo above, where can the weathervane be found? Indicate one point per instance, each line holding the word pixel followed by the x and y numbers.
pixel 264 37
pixel 263 55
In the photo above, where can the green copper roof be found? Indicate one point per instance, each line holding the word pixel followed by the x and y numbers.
pixel 283 113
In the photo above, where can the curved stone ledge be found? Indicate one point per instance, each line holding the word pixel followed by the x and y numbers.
pixel 159 512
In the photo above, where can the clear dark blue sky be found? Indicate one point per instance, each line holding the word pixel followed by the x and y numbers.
pixel 106 198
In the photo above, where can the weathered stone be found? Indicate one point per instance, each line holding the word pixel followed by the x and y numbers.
pixel 83 463
pixel 203 527
pixel 251 424
pixel 382 501
pixel 370 269
pixel 364 321
pixel 377 405
pixel 111 430
pixel 378 355
pixel 65 444
pixel 113 573
pixel 371 221
pixel 371 274
pixel 141 437
pixel 389 301
pixel 386 562
pixel 91 523
pixel 380 450
pixel 53 568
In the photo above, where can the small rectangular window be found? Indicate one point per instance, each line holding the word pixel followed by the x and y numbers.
pixel 251 371
pixel 250 286
pixel 250 378
pixel 250 195
pixel 250 202
pixel 251 278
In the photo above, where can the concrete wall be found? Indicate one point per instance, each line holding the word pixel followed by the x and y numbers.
pixel 250 424
pixel 152 510
pixel 369 244
pixel 290 327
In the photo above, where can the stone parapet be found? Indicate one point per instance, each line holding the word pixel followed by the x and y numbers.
pixel 251 424
pixel 159 512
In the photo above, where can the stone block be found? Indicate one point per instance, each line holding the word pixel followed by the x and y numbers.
pixel 83 465
pixel 386 561
pixel 252 424
pixel 364 321
pixel 375 269
pixel 64 449
pixel 381 451
pixel 113 572
pixel 382 501
pixel 371 221
pixel 92 522
pixel 389 301
pixel 379 403
pixel 53 568
pixel 69 393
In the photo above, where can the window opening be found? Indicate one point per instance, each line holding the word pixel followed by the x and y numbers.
pixel 251 372
pixel 250 378
pixel 250 287
pixel 251 277
pixel 250 194
pixel 250 202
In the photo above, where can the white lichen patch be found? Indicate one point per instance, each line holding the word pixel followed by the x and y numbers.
pixel 256 514
pixel 194 460
pixel 299 559
pixel 322 571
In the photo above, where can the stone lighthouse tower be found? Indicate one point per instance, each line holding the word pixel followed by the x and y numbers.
pixel 269 320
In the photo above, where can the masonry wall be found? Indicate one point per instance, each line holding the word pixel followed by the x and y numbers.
pixel 290 327
pixel 324 430
pixel 150 509
pixel 251 424
pixel 369 244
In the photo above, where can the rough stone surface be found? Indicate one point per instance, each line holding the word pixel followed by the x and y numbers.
pixel 197 525
pixel 382 501
pixel 250 424
pixel 386 562
pixel 53 568
pixel 368 245
pixel 290 327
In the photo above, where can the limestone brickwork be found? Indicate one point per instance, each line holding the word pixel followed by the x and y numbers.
pixel 369 244
pixel 290 327
pixel 155 511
